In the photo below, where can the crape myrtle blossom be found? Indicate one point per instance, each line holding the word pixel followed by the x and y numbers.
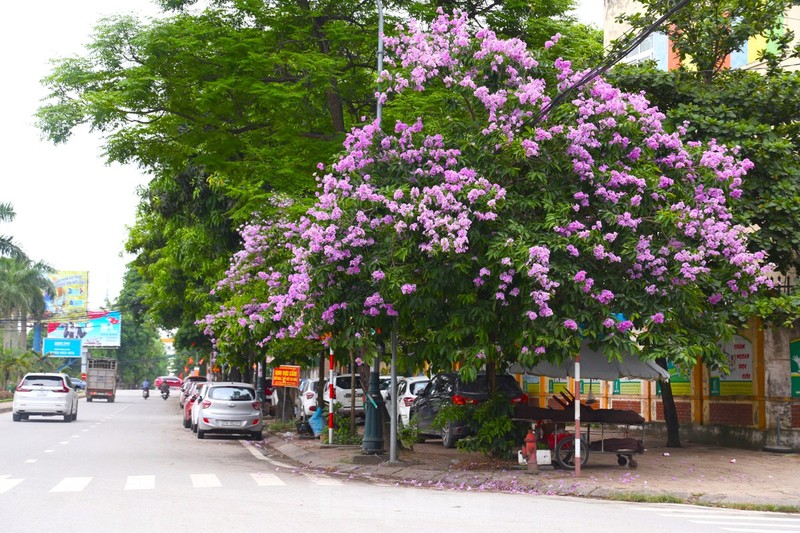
pixel 569 214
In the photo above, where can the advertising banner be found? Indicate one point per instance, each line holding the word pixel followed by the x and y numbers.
pixel 62 347
pixel 71 294
pixel 98 328
pixel 794 367
pixel 740 362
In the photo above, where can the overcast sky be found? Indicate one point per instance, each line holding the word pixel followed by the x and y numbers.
pixel 72 209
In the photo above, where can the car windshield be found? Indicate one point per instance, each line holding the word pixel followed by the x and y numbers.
pixel 417 386
pixel 43 381
pixel 505 384
pixel 346 382
pixel 235 394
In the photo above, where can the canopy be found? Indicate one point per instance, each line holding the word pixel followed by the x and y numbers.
pixel 595 365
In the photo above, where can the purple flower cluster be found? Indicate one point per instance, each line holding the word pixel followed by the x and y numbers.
pixel 647 205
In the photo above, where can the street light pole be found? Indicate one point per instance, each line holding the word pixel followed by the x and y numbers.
pixel 379 107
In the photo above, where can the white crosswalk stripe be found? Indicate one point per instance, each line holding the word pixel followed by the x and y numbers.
pixel 204 481
pixel 731 520
pixel 322 480
pixel 267 480
pixel 197 481
pixel 140 482
pixel 7 483
pixel 72 484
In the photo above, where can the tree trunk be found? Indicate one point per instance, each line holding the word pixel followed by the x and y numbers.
pixel 670 413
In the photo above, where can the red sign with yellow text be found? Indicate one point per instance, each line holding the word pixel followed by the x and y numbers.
pixel 286 376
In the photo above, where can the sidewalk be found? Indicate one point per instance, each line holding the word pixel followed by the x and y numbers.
pixel 695 474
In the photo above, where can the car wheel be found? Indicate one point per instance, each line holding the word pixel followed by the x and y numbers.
pixel 201 434
pixel 194 427
pixel 187 423
pixel 16 417
pixel 68 418
pixel 88 398
pixel 448 439
pixel 256 435
pixel 111 400
pixel 75 414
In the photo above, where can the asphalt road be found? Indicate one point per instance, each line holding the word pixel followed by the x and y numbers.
pixel 131 464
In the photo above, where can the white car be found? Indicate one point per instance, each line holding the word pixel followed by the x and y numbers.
pixel 228 407
pixel 407 390
pixel 45 394
pixel 344 393
pixel 306 398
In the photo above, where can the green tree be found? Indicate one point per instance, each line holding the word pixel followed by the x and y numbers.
pixel 754 111
pixel 141 353
pixel 8 247
pixel 23 285
pixel 227 105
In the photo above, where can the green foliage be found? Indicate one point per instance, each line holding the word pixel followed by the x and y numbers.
pixel 493 431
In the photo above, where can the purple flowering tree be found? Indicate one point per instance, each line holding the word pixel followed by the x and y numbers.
pixel 504 228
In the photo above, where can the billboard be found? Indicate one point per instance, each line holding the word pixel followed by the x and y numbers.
pixel 71 294
pixel 62 347
pixel 97 328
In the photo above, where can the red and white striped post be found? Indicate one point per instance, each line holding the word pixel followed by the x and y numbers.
pixel 331 398
pixel 577 444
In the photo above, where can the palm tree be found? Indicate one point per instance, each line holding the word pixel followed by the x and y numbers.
pixel 7 246
pixel 23 285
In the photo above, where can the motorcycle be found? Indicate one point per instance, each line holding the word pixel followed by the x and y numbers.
pixel 165 394
pixel 145 393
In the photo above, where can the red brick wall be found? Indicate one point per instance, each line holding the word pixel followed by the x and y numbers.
pixel 796 415
pixel 627 405
pixel 731 414
pixel 684 410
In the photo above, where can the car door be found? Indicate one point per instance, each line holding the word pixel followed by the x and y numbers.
pixel 442 394
pixel 429 401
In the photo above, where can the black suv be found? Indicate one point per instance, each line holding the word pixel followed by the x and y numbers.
pixel 446 389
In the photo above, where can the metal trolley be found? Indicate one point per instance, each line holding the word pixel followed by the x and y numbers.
pixel 616 427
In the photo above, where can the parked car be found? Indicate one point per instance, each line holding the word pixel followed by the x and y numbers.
pixel 173 381
pixel 45 394
pixel 385 386
pixel 188 385
pixel 228 407
pixel 344 392
pixel 197 388
pixel 78 383
pixel 447 389
pixel 407 389
pixel 305 402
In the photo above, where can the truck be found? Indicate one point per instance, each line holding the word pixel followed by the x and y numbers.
pixel 101 379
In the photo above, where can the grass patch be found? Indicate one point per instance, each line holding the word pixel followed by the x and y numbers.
pixel 770 508
pixel 276 426
pixel 644 498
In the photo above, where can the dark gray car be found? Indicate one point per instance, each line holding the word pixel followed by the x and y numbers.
pixel 446 389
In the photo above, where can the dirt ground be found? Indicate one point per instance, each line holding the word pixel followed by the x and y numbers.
pixel 692 473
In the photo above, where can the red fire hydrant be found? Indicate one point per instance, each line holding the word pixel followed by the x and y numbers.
pixel 529 450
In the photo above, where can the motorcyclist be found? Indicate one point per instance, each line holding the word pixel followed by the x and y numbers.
pixel 146 387
pixel 164 388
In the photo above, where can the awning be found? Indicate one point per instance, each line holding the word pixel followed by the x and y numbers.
pixel 595 365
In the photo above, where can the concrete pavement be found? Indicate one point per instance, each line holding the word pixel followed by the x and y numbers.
pixel 695 474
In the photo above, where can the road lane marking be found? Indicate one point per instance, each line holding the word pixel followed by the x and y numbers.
pixel 30 461
pixel 49 451
pixel 322 480
pixel 203 481
pixel 6 483
pixel 140 482
pixel 71 484
pixel 267 480
pixel 255 452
